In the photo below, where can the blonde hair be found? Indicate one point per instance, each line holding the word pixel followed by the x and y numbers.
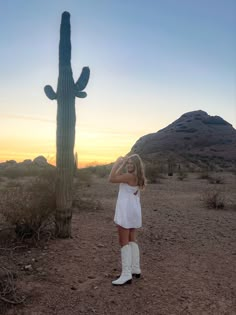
pixel 139 169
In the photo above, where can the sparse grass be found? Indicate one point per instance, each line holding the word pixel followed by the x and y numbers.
pixel 214 199
pixel 87 204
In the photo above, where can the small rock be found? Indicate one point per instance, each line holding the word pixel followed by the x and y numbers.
pixel 100 245
pixel 73 288
pixel 28 268
pixel 106 275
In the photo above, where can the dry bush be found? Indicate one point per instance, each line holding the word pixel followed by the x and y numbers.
pixel 204 174
pixel 216 180
pixel 214 199
pixel 8 291
pixel 17 172
pixel 83 176
pixel 234 171
pixel 12 183
pixel 153 173
pixel 102 170
pixel 182 174
pixel 30 208
pixel 99 170
pixel 26 171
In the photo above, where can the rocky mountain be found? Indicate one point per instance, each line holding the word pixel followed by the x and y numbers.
pixel 195 139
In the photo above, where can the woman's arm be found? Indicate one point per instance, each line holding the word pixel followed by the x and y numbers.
pixel 115 174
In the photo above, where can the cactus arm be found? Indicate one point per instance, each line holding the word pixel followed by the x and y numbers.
pixel 81 83
pixel 50 92
pixel 80 94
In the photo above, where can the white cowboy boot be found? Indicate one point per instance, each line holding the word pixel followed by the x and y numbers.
pixel 135 266
pixel 126 276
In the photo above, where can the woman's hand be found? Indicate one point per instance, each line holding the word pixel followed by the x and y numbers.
pixel 120 160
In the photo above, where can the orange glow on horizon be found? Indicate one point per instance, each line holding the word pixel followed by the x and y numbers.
pixel 33 138
pixel 89 153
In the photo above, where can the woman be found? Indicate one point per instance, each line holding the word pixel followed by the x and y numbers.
pixel 128 213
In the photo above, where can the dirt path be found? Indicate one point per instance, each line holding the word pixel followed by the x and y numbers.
pixel 188 256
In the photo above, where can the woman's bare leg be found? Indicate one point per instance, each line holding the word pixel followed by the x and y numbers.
pixel 132 235
pixel 123 236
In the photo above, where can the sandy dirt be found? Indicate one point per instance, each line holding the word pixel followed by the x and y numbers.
pixel 188 256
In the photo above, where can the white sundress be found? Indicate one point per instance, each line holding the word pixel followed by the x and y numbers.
pixel 128 208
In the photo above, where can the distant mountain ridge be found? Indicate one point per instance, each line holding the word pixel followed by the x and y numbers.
pixel 195 137
pixel 39 161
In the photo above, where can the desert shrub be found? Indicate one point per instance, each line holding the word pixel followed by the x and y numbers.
pixel 12 183
pixel 214 199
pixel 29 207
pixel 8 289
pixel 102 170
pixel 25 171
pixel 16 172
pixel 204 174
pixel 216 180
pixel 234 171
pixel 153 173
pixel 84 175
pixel 182 174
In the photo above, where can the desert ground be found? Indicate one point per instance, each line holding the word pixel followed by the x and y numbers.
pixel 188 255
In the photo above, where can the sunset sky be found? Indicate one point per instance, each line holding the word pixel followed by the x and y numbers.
pixel 151 61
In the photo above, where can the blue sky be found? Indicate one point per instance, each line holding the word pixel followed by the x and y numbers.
pixel 151 61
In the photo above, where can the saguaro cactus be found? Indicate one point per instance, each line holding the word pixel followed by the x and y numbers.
pixel 67 90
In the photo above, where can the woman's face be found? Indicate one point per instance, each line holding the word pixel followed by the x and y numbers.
pixel 130 166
